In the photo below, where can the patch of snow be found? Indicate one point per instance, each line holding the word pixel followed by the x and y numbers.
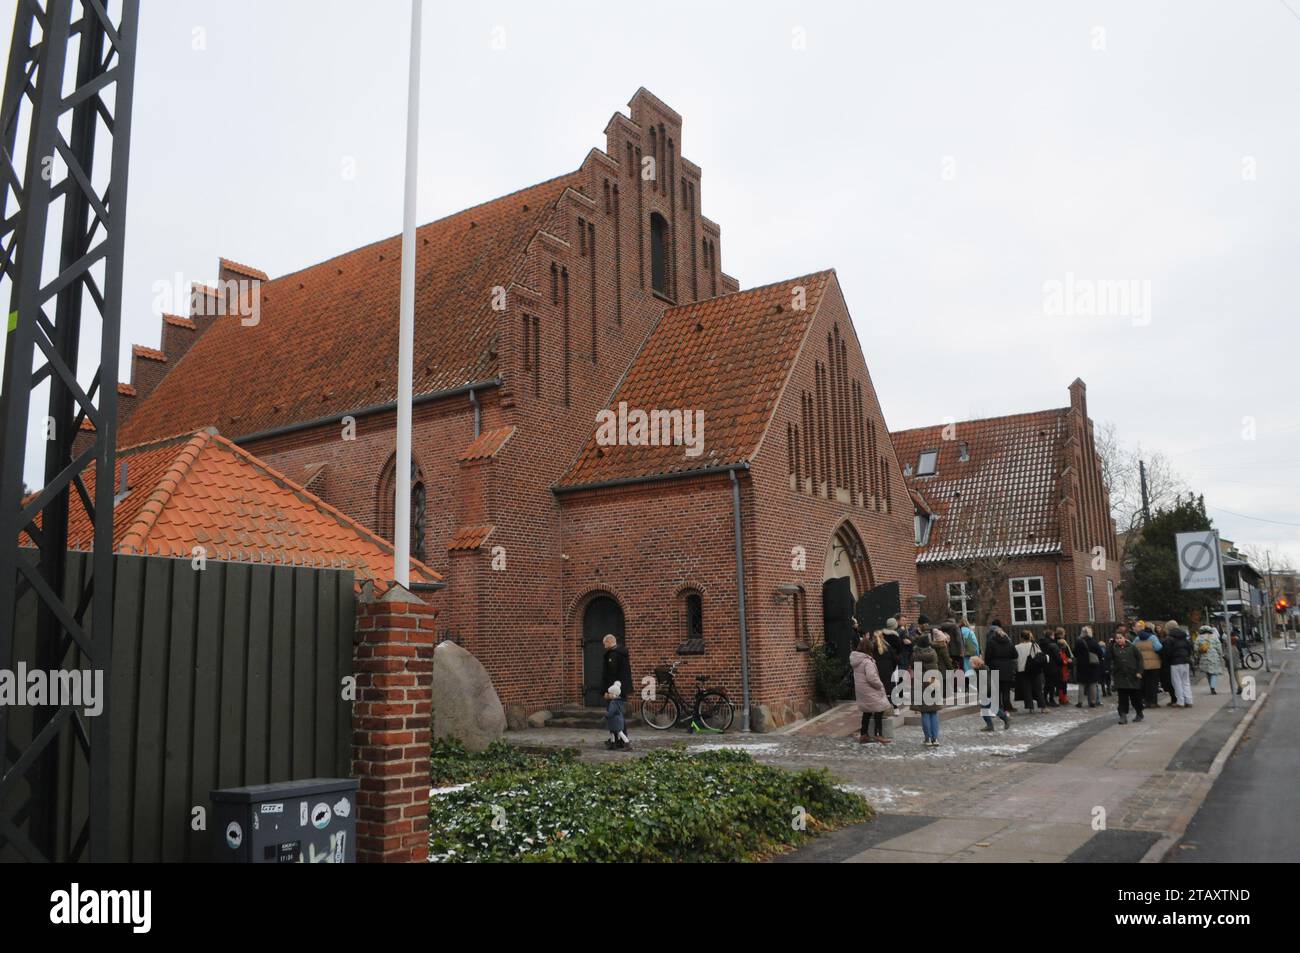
pixel 762 747
pixel 439 792
pixel 881 796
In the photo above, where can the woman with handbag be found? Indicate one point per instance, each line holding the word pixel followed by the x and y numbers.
pixel 1087 661
pixel 1208 650
pixel 1067 665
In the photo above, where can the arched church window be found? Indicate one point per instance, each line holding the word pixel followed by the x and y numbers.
pixel 387 502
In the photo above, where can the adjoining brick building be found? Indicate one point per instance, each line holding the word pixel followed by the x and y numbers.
pixel 1024 491
pixel 599 289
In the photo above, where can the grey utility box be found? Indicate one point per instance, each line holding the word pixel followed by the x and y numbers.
pixel 312 821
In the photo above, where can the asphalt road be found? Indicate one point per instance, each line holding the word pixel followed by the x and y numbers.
pixel 1252 813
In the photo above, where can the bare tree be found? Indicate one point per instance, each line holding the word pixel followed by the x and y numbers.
pixel 982 554
pixel 1121 469
pixel 1266 559
pixel 1275 568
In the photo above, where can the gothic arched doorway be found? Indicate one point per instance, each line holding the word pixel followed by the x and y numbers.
pixel 846 575
pixel 603 616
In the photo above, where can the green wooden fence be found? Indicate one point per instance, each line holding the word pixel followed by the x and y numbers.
pixel 224 676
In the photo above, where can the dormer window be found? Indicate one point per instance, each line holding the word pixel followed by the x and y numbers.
pixel 921 524
pixel 963 451
pixel 926 464
pixel 659 253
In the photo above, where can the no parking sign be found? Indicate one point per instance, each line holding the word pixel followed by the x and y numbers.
pixel 1198 560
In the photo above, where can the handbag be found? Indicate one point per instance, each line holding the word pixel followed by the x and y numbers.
pixel 1093 659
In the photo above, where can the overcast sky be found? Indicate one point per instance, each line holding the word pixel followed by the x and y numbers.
pixel 951 160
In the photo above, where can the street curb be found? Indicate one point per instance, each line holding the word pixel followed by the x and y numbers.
pixel 805 722
pixel 1162 847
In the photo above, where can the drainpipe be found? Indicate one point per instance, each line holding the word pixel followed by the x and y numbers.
pixel 478 413
pixel 740 591
pixel 1060 605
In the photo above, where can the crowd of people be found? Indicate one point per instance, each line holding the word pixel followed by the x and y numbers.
pixel 1136 665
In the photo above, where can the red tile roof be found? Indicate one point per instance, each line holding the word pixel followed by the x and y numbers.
pixel 727 356
pixel 126 390
pixel 179 321
pixel 139 350
pixel 470 537
pixel 486 445
pixel 202 490
pixel 326 340
pixel 1004 499
pixel 242 269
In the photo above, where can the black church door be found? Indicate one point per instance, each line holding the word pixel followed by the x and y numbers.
pixel 602 617
pixel 837 614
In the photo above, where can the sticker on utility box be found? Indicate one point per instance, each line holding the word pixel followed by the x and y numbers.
pixel 234 835
pixel 320 816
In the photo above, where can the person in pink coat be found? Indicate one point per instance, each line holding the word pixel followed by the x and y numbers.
pixel 872 697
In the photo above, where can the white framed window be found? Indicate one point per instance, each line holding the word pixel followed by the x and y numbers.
pixel 926 464
pixel 1092 601
pixel 961 603
pixel 921 528
pixel 1110 597
pixel 1027 605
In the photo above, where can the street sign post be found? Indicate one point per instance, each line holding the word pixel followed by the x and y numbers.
pixel 1200 566
pixel 1198 560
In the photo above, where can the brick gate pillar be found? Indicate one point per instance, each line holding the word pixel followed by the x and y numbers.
pixel 393 662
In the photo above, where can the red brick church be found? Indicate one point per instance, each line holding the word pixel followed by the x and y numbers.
pixel 608 434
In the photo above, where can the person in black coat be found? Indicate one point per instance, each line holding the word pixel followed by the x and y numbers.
pixel 956 648
pixel 616 667
pixel 1178 653
pixel 1000 656
pixel 1087 662
pixel 1051 668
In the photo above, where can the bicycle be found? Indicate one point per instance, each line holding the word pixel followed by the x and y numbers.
pixel 712 711
pixel 1251 660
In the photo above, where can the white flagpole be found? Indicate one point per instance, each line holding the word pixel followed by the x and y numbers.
pixel 406 320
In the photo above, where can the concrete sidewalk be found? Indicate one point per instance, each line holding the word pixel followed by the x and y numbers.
pixel 1101 792
pixel 1069 785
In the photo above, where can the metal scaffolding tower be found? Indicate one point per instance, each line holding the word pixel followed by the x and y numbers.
pixel 68 92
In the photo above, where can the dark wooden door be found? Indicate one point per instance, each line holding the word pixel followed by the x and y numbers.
pixel 878 605
pixel 837 613
pixel 603 617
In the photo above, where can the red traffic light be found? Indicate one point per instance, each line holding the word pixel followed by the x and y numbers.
pixel 1280 605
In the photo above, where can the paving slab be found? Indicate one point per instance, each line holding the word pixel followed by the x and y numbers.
pixel 1114 847
pixel 878 856
pixel 838 846
pixel 991 856
pixel 1042 837
pixel 947 836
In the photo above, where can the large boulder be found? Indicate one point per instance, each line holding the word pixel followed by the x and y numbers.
pixel 465 705
pixel 760 719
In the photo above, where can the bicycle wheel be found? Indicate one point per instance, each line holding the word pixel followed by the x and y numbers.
pixel 659 713
pixel 714 710
pixel 1254 660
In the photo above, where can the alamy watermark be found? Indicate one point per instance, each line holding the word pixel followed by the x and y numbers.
pixel 80 688
pixel 651 428
pixel 234 297
pixel 1098 298
pixel 940 689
